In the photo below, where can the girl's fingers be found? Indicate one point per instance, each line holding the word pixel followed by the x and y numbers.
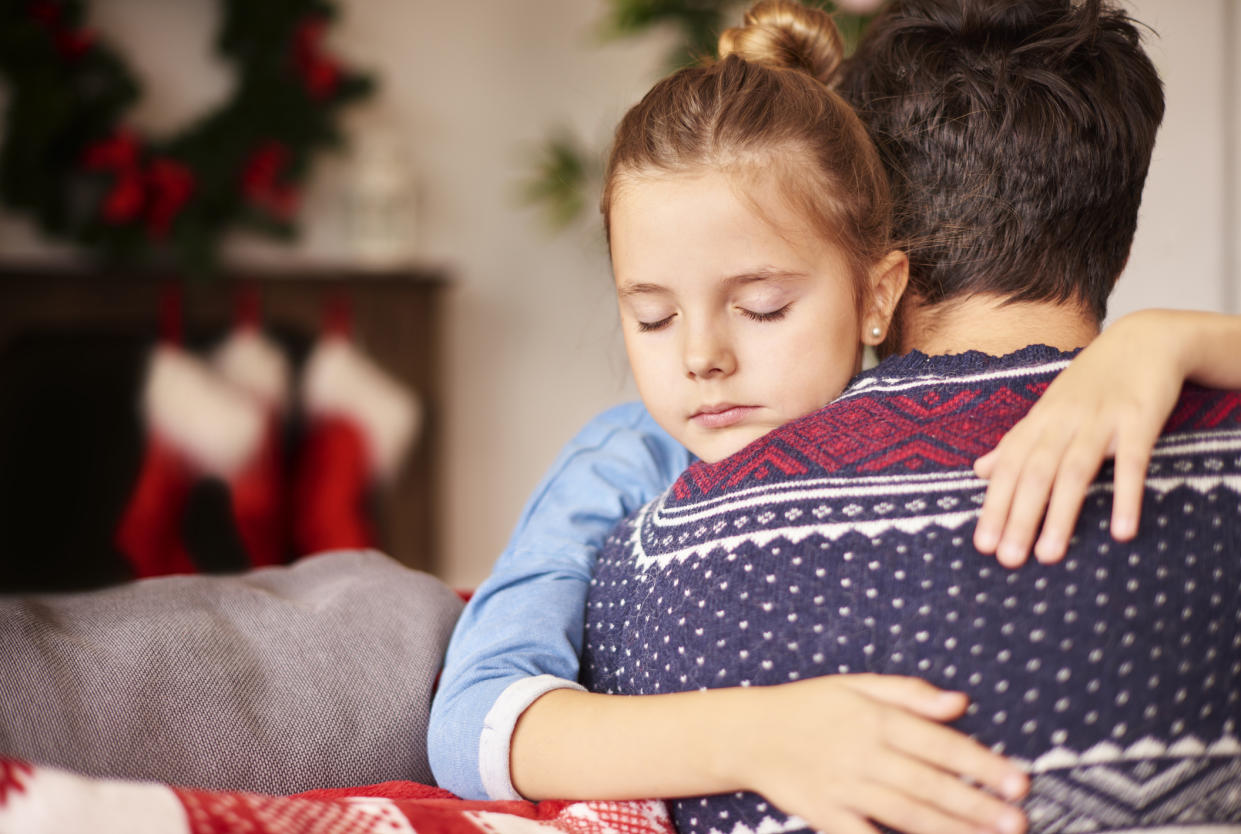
pixel 1076 471
pixel 986 463
pixel 895 808
pixel 948 795
pixel 954 752
pixel 1030 495
pixel 995 506
pixel 1133 450
pixel 913 694
pixel 998 468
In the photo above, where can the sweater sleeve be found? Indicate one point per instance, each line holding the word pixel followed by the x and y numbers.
pixel 520 636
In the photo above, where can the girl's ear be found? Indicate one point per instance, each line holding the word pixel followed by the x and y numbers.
pixel 888 278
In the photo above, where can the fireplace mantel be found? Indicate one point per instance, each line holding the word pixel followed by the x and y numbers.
pixel 94 327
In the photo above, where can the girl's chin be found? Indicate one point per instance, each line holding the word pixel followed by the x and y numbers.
pixel 723 444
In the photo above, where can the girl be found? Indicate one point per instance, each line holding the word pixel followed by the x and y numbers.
pixel 751 261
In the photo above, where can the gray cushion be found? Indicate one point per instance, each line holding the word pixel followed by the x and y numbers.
pixel 281 680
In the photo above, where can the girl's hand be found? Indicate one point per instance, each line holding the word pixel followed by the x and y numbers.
pixel 837 751
pixel 1111 401
pixel 845 750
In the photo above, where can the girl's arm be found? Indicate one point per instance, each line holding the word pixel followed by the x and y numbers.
pixel 836 751
pixel 515 653
pixel 1111 401
pixel 521 633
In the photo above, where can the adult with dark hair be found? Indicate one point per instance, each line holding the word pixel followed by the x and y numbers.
pixel 1018 136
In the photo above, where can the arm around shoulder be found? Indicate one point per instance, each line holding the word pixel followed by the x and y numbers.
pixel 1208 344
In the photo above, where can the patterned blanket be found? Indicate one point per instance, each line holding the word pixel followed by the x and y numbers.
pixel 41 800
pixel 842 543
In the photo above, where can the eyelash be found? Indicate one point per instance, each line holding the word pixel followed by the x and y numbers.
pixel 650 326
pixel 774 315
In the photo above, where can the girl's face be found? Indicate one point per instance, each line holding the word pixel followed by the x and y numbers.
pixel 737 317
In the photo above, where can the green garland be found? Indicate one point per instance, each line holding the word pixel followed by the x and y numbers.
pixel 70 163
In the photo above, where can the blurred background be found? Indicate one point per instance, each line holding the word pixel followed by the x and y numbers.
pixel 436 243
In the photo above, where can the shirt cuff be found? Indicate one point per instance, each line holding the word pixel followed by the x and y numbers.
pixel 497 738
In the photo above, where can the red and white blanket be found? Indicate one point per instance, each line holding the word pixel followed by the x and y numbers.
pixel 44 800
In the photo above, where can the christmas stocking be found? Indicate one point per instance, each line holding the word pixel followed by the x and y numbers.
pixel 257 367
pixel 360 423
pixel 197 425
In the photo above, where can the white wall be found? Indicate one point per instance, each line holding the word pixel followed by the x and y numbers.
pixel 532 345
pixel 1181 255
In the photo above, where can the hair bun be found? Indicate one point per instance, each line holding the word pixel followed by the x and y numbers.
pixel 784 33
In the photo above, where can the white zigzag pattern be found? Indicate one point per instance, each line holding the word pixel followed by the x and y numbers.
pixel 1100 789
pixel 1084 793
pixel 1144 749
pixel 796 533
pixel 768 825
pixel 653 518
pixel 1220 442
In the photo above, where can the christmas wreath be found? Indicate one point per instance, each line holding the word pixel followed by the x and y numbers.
pixel 70 162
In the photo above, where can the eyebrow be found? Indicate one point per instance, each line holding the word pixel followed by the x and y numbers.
pixel 741 278
pixel 630 290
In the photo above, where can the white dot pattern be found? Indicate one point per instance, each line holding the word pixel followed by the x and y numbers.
pixel 1119 643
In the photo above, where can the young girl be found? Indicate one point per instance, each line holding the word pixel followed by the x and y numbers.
pixel 751 262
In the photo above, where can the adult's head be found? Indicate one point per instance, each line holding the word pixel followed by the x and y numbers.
pixel 1017 136
pixel 748 217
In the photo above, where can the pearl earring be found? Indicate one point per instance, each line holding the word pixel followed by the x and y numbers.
pixel 876 332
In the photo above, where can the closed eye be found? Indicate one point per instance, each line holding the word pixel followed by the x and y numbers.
pixel 648 326
pixel 774 315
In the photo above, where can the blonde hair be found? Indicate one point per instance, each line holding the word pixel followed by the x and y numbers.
pixel 768 105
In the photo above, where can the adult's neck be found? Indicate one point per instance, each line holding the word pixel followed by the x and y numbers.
pixel 985 323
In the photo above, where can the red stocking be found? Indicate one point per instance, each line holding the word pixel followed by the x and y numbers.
pixel 333 481
pixel 197 425
pixel 360 422
pixel 150 530
pixel 254 364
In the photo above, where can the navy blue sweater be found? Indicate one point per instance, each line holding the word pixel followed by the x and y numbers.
pixel 842 543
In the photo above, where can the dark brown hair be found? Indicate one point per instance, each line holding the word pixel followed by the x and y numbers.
pixel 1017 136
pixel 766 106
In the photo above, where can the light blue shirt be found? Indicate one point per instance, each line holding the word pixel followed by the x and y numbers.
pixel 520 636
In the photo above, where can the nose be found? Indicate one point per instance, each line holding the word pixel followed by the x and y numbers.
pixel 708 353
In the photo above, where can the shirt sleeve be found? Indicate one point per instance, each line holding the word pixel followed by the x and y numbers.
pixel 520 635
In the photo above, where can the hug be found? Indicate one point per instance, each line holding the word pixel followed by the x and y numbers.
pixel 810 546
pixel 783 591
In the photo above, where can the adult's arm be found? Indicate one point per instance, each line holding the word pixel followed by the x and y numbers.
pixel 1111 401
pixel 520 636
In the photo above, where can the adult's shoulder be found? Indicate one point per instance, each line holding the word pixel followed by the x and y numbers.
pixel 908 417
pixel 1205 409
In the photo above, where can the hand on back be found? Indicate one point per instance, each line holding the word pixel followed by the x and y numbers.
pixel 1110 402
pixel 846 751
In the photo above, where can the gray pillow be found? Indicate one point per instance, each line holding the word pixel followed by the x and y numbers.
pixel 281 680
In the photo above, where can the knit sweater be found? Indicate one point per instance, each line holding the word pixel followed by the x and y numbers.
pixel 842 543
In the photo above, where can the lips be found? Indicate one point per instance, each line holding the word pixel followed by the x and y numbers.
pixel 721 416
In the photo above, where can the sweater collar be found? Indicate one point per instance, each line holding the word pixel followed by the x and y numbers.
pixel 917 363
